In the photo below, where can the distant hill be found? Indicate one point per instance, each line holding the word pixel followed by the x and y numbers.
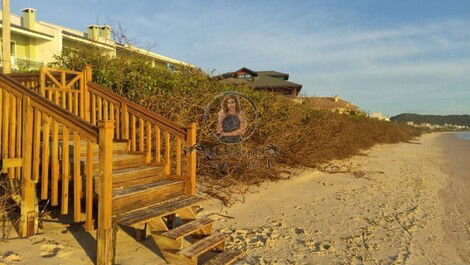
pixel 463 120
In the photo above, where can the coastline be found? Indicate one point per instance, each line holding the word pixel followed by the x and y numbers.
pixel 456 163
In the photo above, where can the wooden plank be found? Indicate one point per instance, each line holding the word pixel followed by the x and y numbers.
pixel 156 210
pixel 64 100
pixel 12 162
pixel 5 120
pixel 93 109
pixel 158 144
pixel 189 228
pixel 69 101
pixel 19 139
pixel 77 179
pixel 140 196
pixel 178 156
pixel 36 145
pixel 167 157
pixel 55 164
pixel 125 122
pixel 100 109
pixel 111 117
pixel 148 132
pixel 133 135
pixel 117 124
pixel 45 158
pixel 191 160
pixel 203 245
pixel 65 171
pixel 141 135
pixel 75 103
pixel 12 140
pixel 105 110
pixel 89 187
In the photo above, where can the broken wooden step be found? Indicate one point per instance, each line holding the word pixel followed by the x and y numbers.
pixel 189 228
pixel 227 257
pixel 136 197
pixel 141 216
pixel 214 241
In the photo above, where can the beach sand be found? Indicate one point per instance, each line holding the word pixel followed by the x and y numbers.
pixel 401 204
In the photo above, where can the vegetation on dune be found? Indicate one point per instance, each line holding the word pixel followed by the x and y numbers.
pixel 462 120
pixel 305 136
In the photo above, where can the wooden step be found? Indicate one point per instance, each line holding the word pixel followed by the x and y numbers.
pixel 204 245
pixel 159 209
pixel 118 147
pixel 225 258
pixel 136 197
pixel 131 176
pixel 189 228
pixel 127 160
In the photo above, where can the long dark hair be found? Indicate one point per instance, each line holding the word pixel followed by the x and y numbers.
pixel 225 103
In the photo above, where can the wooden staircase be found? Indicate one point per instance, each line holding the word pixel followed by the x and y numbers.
pixel 144 198
pixel 135 178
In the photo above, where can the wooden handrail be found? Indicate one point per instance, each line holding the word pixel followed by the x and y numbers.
pixel 163 122
pixel 44 105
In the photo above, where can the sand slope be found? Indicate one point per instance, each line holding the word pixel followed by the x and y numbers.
pixel 389 210
pixel 392 214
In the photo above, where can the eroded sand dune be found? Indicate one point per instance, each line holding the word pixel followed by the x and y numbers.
pixel 397 206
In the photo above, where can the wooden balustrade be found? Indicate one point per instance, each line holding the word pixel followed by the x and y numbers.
pixel 144 130
pixel 30 131
pixel 58 110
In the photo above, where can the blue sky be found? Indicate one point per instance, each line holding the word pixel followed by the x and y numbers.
pixel 389 56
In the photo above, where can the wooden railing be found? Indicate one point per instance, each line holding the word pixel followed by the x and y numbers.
pixel 147 132
pixel 32 131
pixel 55 104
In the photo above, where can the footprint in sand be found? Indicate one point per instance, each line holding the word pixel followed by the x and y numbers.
pixel 50 249
pixel 10 257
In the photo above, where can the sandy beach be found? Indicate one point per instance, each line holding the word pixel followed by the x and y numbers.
pixel 400 204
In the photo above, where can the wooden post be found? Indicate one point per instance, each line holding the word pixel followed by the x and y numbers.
pixel 64 209
pixel 55 164
pixel 104 237
pixel 5 119
pixel 158 152
pixel 12 139
pixel 77 178
pixel 28 221
pixel 89 187
pixel 124 122
pixel 141 135
pixel 42 81
pixel 178 156
pixel 36 144
pixel 167 158
pixel 148 156
pixel 45 158
pixel 190 187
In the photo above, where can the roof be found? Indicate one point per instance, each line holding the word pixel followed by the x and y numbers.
pixel 259 79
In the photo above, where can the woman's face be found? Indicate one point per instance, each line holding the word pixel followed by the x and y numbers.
pixel 231 104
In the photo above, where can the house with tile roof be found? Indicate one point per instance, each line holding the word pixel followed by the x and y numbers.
pixel 261 80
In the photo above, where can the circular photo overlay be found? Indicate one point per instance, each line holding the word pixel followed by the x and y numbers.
pixel 231 117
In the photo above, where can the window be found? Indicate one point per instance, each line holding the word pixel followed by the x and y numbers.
pixel 244 76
